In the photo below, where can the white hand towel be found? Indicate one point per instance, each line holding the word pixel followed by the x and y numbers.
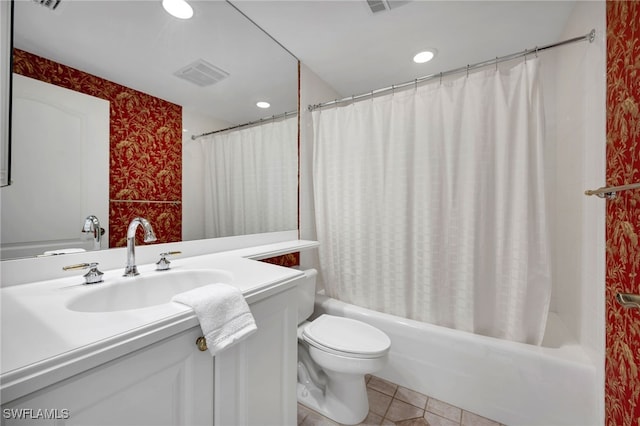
pixel 224 315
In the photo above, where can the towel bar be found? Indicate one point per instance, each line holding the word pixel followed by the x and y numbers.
pixel 629 300
pixel 609 192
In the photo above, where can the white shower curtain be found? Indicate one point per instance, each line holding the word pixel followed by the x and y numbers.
pixel 430 203
pixel 251 179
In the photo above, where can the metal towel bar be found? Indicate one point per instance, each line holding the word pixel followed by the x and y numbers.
pixel 609 192
pixel 629 300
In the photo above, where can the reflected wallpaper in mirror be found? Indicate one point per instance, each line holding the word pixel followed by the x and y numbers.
pixel 153 171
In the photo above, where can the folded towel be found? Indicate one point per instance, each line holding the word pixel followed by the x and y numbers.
pixel 224 315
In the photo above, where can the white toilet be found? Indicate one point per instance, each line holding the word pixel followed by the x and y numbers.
pixel 334 354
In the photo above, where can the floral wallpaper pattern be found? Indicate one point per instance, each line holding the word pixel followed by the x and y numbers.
pixel 622 387
pixel 145 148
pixel 288 260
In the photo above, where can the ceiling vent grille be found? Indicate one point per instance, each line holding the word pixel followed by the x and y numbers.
pixel 202 73
pixel 377 5
pixel 382 5
pixel 51 4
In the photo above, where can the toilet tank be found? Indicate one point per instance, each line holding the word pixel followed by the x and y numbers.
pixel 306 294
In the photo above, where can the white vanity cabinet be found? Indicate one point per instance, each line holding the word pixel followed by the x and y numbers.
pixel 172 382
pixel 168 383
pixel 256 380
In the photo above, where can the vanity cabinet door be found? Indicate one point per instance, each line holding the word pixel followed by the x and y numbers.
pixel 167 383
pixel 256 379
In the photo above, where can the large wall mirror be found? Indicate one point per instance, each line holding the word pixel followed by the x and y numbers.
pixel 188 77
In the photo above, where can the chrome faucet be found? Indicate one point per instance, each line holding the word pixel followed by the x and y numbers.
pixel 92 226
pixel 131 270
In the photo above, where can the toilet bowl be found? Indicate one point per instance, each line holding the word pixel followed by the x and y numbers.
pixel 334 354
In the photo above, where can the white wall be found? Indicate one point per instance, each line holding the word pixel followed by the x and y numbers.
pixel 194 123
pixel 580 155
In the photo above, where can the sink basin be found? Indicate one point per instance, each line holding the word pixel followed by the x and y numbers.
pixel 145 290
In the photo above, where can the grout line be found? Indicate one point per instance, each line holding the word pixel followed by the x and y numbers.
pixel 446 418
pixel 393 397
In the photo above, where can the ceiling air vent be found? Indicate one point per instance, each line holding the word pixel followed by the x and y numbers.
pixel 51 4
pixel 382 5
pixel 202 73
pixel 377 5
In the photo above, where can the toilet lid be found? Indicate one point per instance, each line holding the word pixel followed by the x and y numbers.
pixel 346 335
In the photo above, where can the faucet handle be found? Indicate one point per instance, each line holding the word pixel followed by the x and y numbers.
pixel 94 276
pixel 163 263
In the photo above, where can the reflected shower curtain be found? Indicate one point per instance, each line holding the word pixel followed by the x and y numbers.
pixel 430 203
pixel 251 179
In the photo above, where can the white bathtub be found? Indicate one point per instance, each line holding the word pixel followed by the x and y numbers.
pixel 513 383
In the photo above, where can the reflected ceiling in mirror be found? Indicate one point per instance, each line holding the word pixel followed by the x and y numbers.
pixel 139 45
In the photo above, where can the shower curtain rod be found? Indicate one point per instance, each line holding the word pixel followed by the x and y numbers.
pixel 273 117
pixel 587 37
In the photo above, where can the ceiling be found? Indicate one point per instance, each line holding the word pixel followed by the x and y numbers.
pixel 135 43
pixel 356 51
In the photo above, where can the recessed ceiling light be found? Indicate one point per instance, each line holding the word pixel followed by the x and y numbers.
pixel 263 104
pixel 178 8
pixel 424 56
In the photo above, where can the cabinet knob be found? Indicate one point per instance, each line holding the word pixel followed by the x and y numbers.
pixel 201 343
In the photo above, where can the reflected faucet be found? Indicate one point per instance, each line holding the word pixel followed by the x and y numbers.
pixel 131 270
pixel 92 226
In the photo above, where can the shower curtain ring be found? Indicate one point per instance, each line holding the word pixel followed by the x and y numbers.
pixel 441 78
pixel 536 51
pixel 467 70
pixel 525 55
pixel 416 84
pixel 496 63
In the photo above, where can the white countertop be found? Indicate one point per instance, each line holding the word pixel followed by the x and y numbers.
pixel 44 342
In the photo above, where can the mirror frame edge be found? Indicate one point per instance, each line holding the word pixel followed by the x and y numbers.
pixel 6 67
pixel 299 206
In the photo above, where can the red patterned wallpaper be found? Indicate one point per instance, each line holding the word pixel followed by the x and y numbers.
pixel 288 260
pixel 622 387
pixel 145 153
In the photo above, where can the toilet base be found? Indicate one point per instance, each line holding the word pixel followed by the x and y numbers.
pixel 345 402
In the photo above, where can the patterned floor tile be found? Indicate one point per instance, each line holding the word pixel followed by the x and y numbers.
pixel 382 385
pixel 445 410
pixel 400 410
pixel 412 397
pixel 393 405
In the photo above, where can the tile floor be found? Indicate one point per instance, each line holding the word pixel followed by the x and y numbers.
pixel 390 404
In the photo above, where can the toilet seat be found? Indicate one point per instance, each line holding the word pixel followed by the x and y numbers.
pixel 346 337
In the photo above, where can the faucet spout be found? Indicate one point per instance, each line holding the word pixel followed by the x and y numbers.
pixel 92 226
pixel 131 270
